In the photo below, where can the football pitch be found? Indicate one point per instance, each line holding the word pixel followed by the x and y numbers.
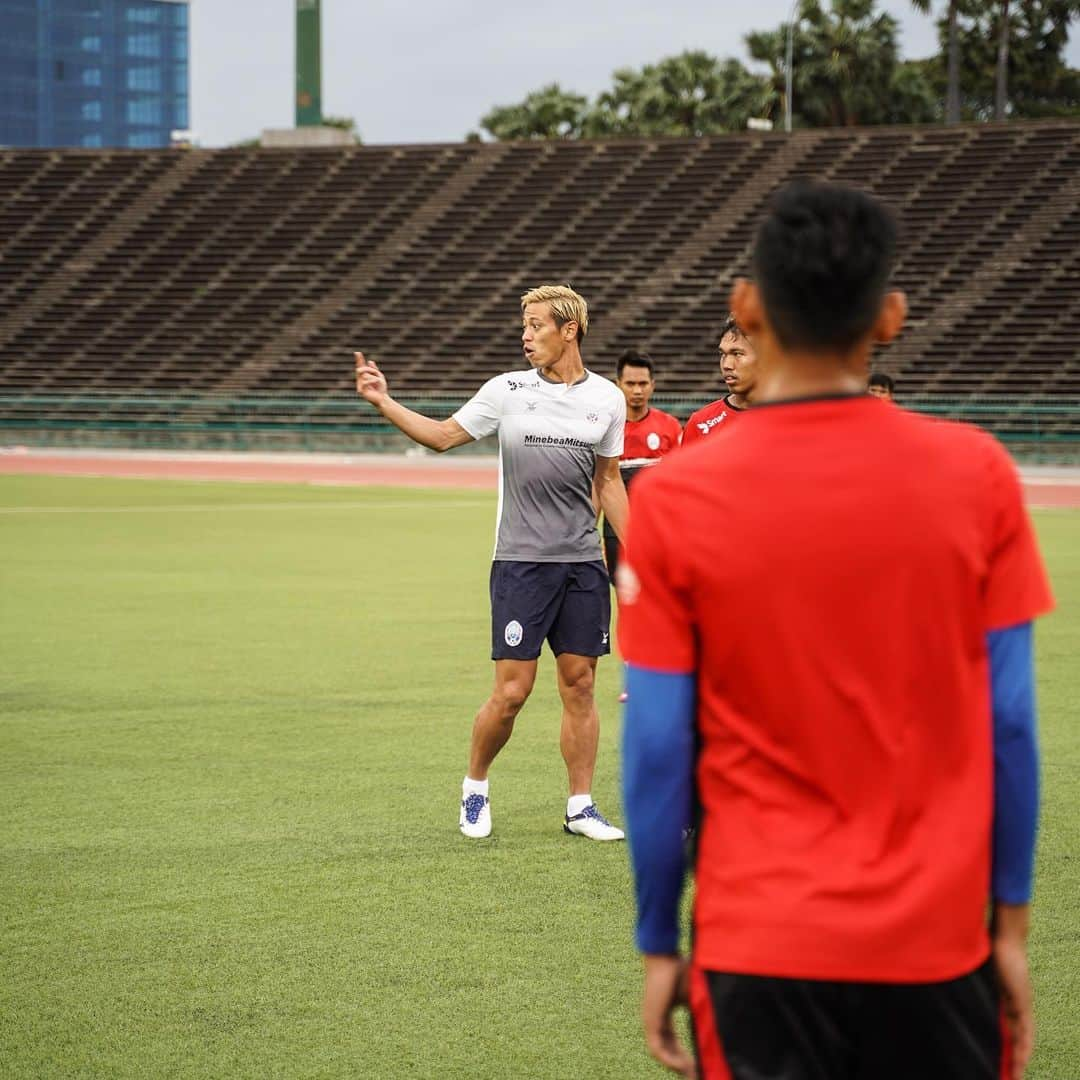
pixel 234 724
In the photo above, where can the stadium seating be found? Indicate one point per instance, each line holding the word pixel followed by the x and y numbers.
pixel 255 272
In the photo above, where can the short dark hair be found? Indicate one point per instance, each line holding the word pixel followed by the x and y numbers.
pixel 731 326
pixel 822 260
pixel 633 358
pixel 879 378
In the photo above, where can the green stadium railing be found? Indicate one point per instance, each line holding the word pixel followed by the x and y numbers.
pixel 1036 428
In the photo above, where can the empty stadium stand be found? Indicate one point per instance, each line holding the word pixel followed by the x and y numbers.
pixel 189 281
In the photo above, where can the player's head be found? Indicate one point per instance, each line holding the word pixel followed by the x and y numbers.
pixel 552 318
pixel 880 385
pixel 738 361
pixel 634 374
pixel 821 263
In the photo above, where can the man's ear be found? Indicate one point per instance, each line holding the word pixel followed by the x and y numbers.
pixel 890 317
pixel 572 326
pixel 746 306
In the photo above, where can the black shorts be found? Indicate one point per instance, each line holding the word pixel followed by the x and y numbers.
pixel 569 604
pixel 752 1026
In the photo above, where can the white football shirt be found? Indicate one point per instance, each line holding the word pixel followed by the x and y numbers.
pixel 550 435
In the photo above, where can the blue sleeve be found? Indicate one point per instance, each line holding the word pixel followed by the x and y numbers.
pixel 1016 762
pixel 658 787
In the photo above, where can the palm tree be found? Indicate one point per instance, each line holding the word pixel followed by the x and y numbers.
pixel 952 78
pixel 547 113
pixel 689 94
pixel 846 67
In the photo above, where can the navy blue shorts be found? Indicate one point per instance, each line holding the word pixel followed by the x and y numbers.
pixel 569 604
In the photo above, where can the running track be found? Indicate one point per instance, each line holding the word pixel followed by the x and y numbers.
pixel 1044 487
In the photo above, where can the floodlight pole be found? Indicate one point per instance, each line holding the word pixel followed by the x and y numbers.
pixel 788 63
pixel 308 63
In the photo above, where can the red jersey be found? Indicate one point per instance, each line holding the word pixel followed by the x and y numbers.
pixel 647 440
pixel 710 417
pixel 832 596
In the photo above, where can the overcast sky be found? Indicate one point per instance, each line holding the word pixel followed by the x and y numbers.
pixel 427 70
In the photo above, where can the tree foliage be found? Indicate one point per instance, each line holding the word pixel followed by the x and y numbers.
pixel 847 70
pixel 547 113
pixel 342 123
pixel 690 94
pixel 1038 82
pixel 846 67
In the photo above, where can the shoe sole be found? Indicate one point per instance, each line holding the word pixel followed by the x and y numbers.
pixel 473 836
pixel 598 839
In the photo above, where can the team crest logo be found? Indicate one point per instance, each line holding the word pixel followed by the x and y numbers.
pixel 513 633
pixel 593 417
pixel 652 441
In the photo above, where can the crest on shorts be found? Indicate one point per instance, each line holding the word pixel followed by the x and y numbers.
pixel 513 633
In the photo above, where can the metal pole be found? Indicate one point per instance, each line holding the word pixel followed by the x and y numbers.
pixel 788 62
pixel 308 63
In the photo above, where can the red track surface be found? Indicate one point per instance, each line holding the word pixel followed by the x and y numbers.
pixel 289 469
pixel 1042 490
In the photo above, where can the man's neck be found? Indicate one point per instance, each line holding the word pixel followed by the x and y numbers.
pixel 568 369
pixel 637 413
pixel 790 376
pixel 738 401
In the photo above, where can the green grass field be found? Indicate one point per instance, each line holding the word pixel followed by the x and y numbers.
pixel 234 725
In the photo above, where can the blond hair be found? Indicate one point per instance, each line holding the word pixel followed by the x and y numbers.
pixel 566 305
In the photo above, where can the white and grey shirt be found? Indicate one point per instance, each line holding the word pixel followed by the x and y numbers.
pixel 550 435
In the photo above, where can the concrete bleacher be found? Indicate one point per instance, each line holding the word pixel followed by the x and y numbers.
pixel 256 272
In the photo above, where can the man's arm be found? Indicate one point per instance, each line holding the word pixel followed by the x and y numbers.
pixel 440 435
pixel 1016 812
pixel 611 494
pixel 658 792
pixel 658 784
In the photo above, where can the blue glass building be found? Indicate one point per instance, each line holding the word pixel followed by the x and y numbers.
pixel 93 72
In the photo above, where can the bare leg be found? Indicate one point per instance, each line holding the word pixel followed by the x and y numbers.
pixel 580 733
pixel 495 721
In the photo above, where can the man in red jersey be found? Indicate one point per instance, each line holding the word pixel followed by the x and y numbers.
pixel 859 820
pixel 738 367
pixel 649 434
pixel 881 385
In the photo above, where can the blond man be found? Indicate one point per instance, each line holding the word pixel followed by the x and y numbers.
pixel 560 430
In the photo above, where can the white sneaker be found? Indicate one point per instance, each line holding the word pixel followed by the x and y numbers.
pixel 475 820
pixel 592 824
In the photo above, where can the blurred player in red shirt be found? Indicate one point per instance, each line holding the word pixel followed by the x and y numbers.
pixel 738 368
pixel 649 434
pixel 859 819
pixel 881 385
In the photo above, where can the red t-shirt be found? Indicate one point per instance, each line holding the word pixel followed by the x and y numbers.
pixel 833 595
pixel 708 418
pixel 647 440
